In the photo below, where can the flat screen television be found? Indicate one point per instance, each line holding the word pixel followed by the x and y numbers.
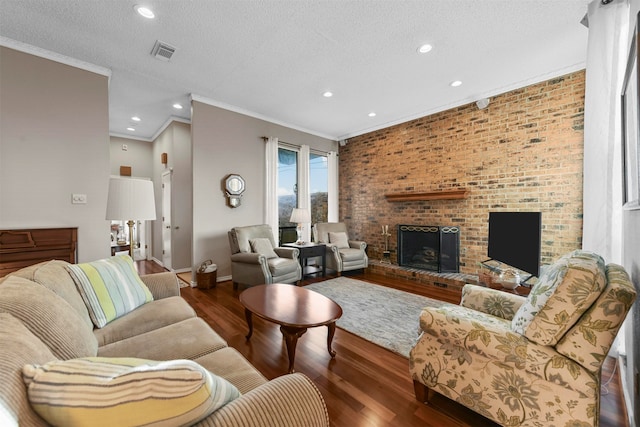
pixel 514 239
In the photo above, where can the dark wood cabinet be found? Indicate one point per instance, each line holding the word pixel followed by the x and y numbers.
pixel 23 247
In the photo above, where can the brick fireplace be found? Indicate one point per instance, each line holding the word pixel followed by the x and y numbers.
pixel 523 152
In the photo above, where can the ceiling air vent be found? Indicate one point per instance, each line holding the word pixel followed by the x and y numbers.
pixel 162 51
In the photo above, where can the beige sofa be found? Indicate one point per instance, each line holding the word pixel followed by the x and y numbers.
pixel 43 318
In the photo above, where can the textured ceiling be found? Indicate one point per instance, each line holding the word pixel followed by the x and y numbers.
pixel 274 58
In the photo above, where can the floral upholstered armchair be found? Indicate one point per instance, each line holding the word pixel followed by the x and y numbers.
pixel 533 361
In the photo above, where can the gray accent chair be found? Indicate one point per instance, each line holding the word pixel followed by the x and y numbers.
pixel 249 268
pixel 341 259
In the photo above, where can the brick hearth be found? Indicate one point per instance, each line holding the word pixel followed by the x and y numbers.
pixel 449 281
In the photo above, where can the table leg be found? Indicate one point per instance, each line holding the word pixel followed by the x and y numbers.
pixel 324 264
pixel 330 333
pixel 291 336
pixel 249 317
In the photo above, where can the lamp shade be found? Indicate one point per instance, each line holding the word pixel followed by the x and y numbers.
pixel 130 198
pixel 300 215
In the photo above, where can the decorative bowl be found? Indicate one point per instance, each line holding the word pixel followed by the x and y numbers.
pixel 509 279
pixel 509 285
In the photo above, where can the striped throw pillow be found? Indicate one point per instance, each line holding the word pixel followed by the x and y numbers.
pixel 109 287
pixel 97 391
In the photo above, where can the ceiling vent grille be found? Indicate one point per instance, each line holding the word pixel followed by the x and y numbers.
pixel 162 51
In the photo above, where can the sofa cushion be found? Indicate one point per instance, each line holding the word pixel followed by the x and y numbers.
pixel 54 276
pixel 262 246
pixel 18 346
pixel 188 339
pixel 282 266
pixel 339 239
pixel 350 254
pixel 563 293
pixel 148 317
pixel 125 392
pixel 48 317
pixel 109 287
pixel 233 367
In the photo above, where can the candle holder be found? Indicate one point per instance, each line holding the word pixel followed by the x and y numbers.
pixel 386 254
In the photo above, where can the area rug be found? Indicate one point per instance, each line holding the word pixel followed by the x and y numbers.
pixel 385 316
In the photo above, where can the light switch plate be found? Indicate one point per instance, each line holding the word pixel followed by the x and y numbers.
pixel 79 199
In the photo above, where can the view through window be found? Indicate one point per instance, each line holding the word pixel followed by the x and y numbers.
pixel 288 190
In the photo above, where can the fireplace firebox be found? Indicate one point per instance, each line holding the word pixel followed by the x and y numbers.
pixel 429 247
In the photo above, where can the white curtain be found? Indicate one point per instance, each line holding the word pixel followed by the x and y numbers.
pixel 606 60
pixel 333 214
pixel 271 185
pixel 606 63
pixel 304 197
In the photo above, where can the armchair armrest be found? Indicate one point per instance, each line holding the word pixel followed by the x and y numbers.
pixel 491 301
pixel 287 401
pixel 248 258
pixel 162 285
pixel 331 248
pixel 292 253
pixel 357 244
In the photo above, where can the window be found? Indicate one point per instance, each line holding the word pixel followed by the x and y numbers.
pixel 287 193
pixel 298 177
pixel 318 184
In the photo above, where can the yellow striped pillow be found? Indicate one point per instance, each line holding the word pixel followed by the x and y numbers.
pixel 97 391
pixel 109 287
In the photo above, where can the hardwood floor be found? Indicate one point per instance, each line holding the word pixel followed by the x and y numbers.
pixel 365 385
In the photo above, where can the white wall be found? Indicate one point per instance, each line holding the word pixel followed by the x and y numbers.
pixel 54 141
pixel 175 140
pixel 226 142
pixel 138 155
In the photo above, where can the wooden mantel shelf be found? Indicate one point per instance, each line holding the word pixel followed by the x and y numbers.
pixel 460 193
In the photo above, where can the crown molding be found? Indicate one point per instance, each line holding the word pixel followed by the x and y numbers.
pixel 166 124
pixel 224 106
pixel 53 56
pixel 125 136
pixel 496 92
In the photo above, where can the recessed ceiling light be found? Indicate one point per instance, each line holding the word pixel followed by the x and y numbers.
pixel 455 83
pixel 372 114
pixel 425 48
pixel 327 94
pixel 144 11
pixel 131 129
pixel 177 106
pixel 135 118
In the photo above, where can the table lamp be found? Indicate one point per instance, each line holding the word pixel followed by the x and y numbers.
pixel 129 199
pixel 301 216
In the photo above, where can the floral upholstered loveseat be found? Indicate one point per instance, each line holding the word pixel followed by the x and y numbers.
pixel 533 361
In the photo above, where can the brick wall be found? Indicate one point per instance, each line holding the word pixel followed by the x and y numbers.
pixel 524 152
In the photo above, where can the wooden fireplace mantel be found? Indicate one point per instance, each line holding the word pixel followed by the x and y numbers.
pixel 460 193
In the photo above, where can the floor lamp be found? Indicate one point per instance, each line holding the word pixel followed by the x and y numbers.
pixel 129 199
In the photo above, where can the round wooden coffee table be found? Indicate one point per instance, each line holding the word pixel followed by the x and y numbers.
pixel 295 309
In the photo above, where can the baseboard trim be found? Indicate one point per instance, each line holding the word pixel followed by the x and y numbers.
pixel 626 394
